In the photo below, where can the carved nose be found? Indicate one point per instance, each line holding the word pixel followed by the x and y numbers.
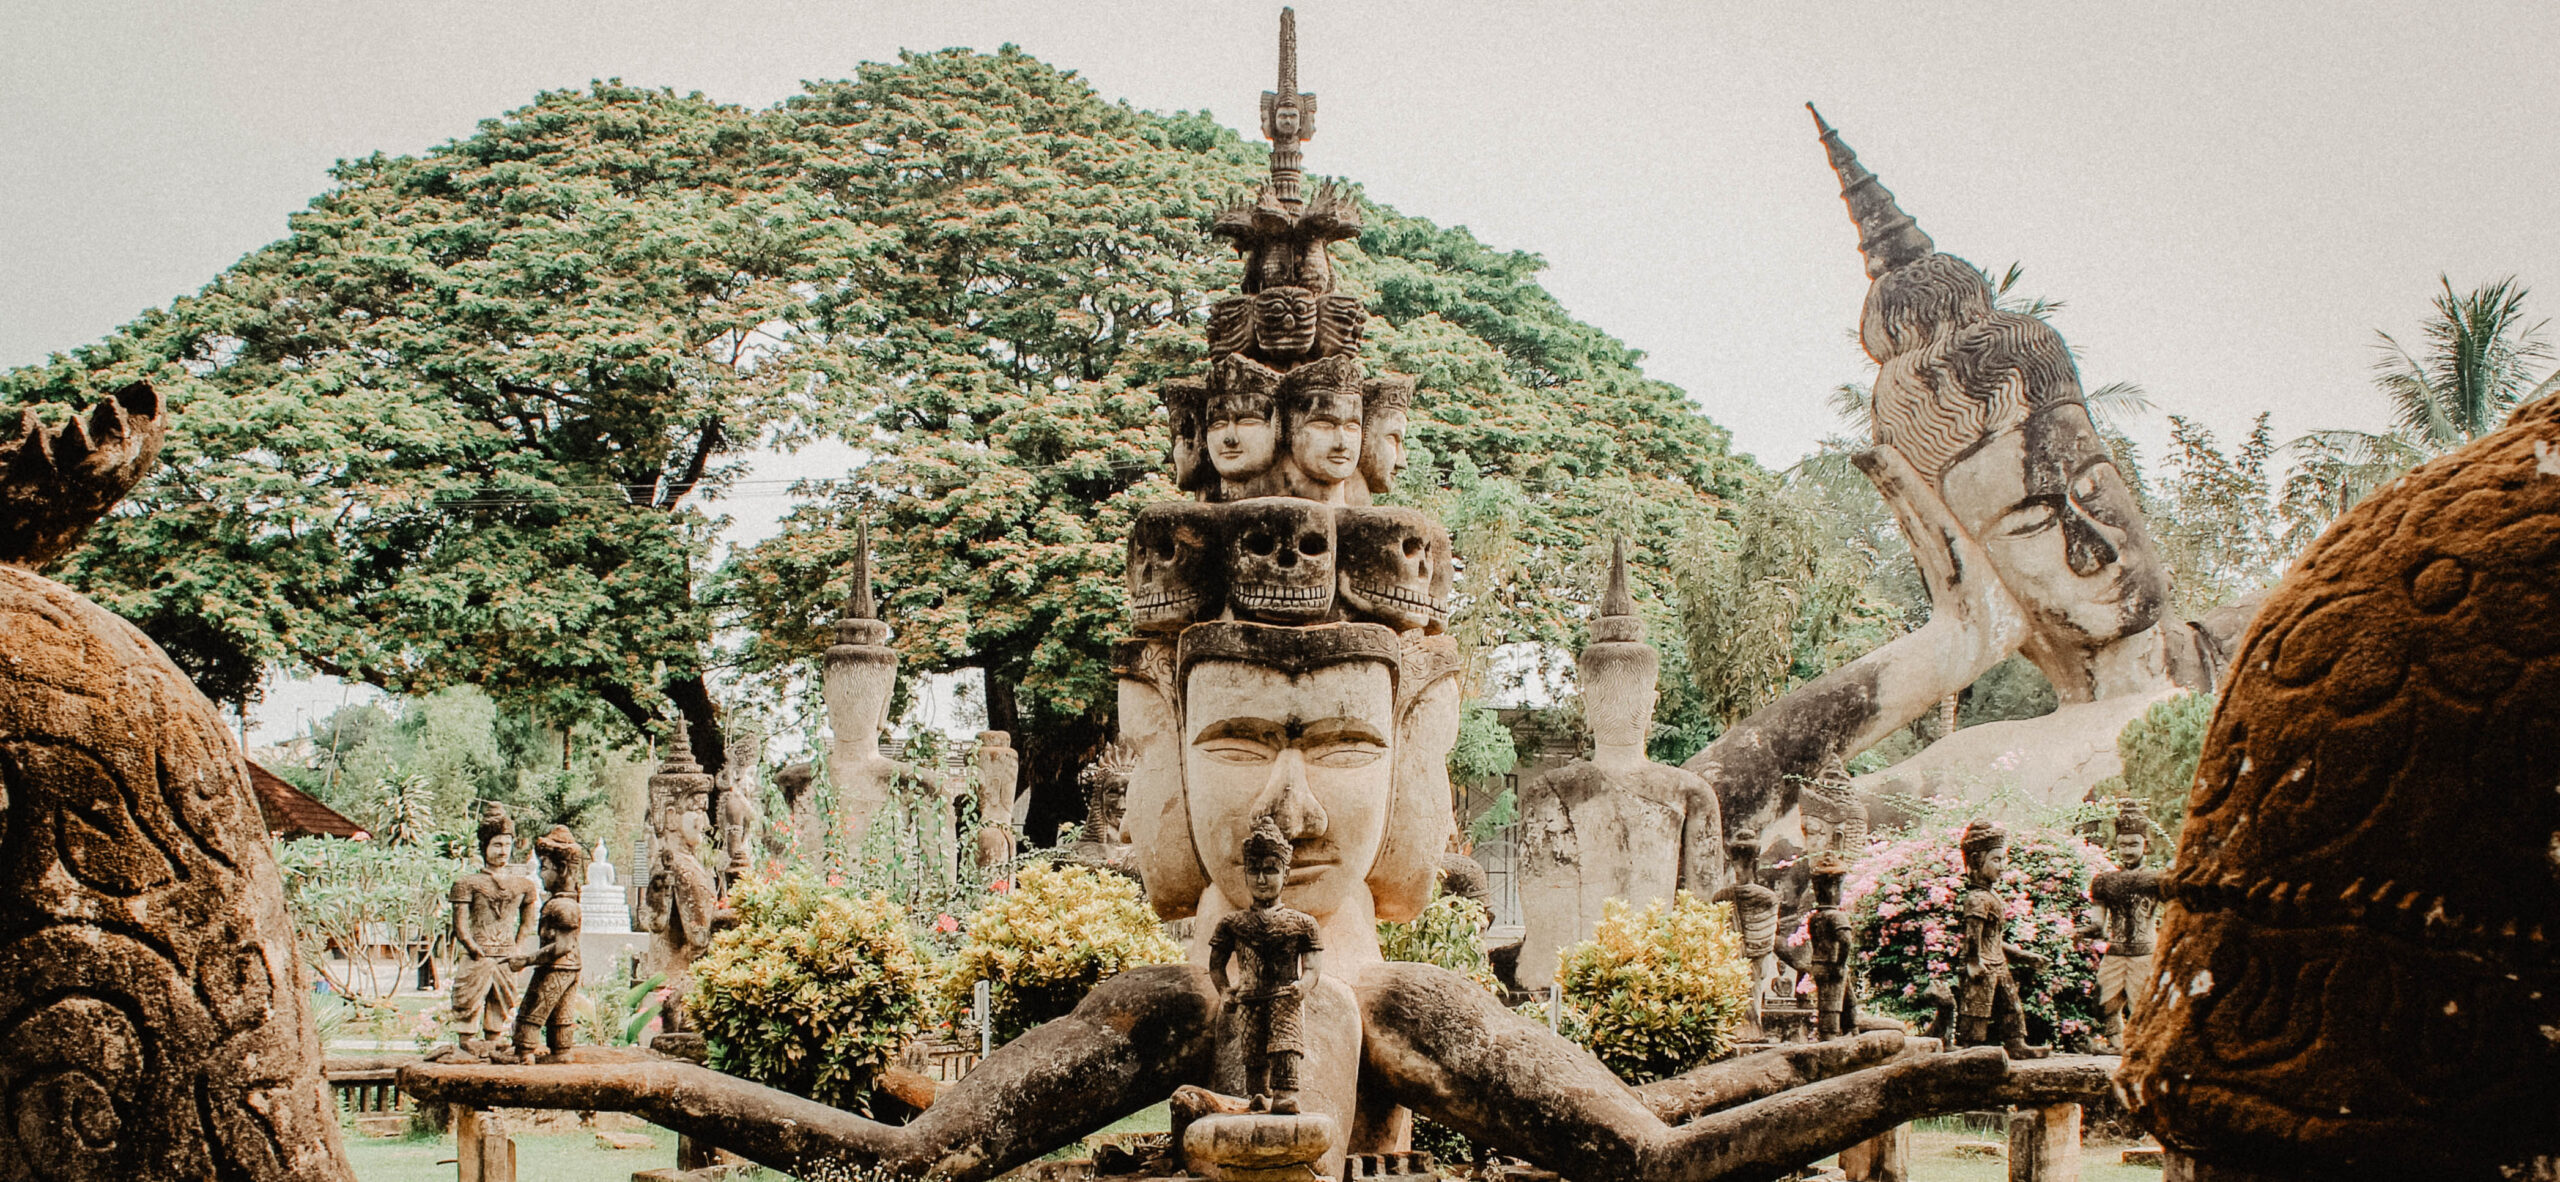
pixel 1286 798
pixel 2084 545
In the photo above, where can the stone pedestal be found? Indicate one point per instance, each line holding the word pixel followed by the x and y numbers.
pixel 483 1151
pixel 1258 1147
pixel 1887 1158
pixel 2044 1144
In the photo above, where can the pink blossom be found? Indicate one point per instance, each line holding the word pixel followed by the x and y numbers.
pixel 1001 885
pixel 945 923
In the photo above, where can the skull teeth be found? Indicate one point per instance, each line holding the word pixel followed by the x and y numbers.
pixel 1268 598
pixel 1397 594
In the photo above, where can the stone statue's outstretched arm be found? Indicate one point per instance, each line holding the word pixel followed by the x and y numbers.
pixel 1756 766
pixel 1449 1051
pixel 1132 1041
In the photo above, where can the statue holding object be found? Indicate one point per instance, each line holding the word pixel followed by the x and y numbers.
pixel 546 1009
pixel 1986 993
pixel 1755 915
pixel 1283 959
pixel 2128 903
pixel 493 912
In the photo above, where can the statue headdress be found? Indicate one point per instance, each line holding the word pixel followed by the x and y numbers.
pixel 1982 835
pixel 494 822
pixel 1266 848
pixel 560 848
pixel 55 482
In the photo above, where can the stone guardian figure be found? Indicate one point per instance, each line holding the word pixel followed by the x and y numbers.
pixel 1616 825
pixel 1986 994
pixel 1755 915
pixel 1283 954
pixel 555 962
pixel 1832 951
pixel 999 773
pixel 2128 902
pixel 493 911
pixel 682 906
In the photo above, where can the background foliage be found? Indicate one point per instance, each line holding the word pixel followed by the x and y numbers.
pixel 1045 942
pixel 1658 991
pixel 2160 752
pixel 813 992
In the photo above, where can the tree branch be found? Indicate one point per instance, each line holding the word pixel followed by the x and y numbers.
pixel 704 444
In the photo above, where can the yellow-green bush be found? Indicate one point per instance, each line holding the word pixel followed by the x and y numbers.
pixel 1448 933
pixel 1047 939
pixel 1658 991
pixel 813 992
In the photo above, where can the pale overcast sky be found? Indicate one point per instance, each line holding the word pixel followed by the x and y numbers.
pixel 2231 197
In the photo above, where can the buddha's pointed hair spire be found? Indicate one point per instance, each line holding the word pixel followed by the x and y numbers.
pixel 1616 602
pixel 1886 235
pixel 860 605
pixel 1288 118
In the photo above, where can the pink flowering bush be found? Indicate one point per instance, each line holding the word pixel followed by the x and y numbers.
pixel 1907 895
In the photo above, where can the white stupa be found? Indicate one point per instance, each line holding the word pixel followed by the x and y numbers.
pixel 600 901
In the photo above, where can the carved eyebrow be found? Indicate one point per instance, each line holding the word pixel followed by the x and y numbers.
pixel 1340 730
pixel 1258 730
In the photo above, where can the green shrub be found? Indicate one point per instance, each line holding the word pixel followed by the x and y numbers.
pixel 2160 751
pixel 1907 896
pixel 1047 939
pixel 1448 933
pixel 813 992
pixel 1660 991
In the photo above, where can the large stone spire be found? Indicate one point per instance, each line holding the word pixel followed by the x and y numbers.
pixel 1288 117
pixel 1886 235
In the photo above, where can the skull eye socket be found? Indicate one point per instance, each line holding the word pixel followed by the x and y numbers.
pixel 1412 546
pixel 1311 544
pixel 1260 543
pixel 1164 549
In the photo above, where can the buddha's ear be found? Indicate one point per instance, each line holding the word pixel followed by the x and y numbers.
pixel 1157 812
pixel 1418 818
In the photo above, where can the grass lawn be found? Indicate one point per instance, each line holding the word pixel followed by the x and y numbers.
pixel 1934 1158
pixel 540 1157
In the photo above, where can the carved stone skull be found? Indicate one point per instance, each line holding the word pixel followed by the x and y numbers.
pixel 1177 576
pixel 1280 566
pixel 1391 560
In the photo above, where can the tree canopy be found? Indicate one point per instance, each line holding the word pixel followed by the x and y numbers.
pixel 459 426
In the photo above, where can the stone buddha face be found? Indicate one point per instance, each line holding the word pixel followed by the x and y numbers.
pixel 1313 750
pixel 1324 436
pixel 1382 451
pixel 2046 500
pixel 2130 847
pixel 1242 437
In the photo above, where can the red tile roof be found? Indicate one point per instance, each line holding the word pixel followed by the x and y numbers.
pixel 292 812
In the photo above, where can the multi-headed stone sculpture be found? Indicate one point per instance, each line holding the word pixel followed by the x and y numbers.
pixel 1616 825
pixel 1261 696
pixel 158 1023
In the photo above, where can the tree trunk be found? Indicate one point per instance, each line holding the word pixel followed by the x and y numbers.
pixel 1054 751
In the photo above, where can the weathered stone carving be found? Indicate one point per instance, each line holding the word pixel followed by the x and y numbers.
pixel 861 673
pixel 1616 825
pixel 1986 993
pixel 1834 812
pixel 1394 567
pixel 1280 560
pixel 158 1025
pixel 2355 974
pixel 1177 566
pixel 546 1011
pixel 2128 899
pixel 1283 959
pixel 493 911
pixel 738 815
pixel 1831 939
pixel 1755 915
pixel 1336 734
pixel 2023 530
pixel 682 904
pixel 999 772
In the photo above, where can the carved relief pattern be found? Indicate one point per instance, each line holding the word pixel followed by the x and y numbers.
pixel 2357 954
pixel 150 995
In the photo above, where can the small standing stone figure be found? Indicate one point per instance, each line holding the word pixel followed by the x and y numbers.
pixel 739 817
pixel 1986 995
pixel 1282 957
pixel 1755 914
pixel 555 962
pixel 492 912
pixel 2128 900
pixel 1832 949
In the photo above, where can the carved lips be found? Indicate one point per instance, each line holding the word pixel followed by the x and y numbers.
pixel 1286 560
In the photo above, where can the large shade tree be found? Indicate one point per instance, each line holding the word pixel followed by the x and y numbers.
pixel 459 425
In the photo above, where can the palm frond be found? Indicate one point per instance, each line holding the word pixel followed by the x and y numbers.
pixel 1855 404
pixel 2116 404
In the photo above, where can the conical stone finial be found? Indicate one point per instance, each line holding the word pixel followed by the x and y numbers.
pixel 1886 235
pixel 1617 621
pixel 679 760
pixel 859 605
